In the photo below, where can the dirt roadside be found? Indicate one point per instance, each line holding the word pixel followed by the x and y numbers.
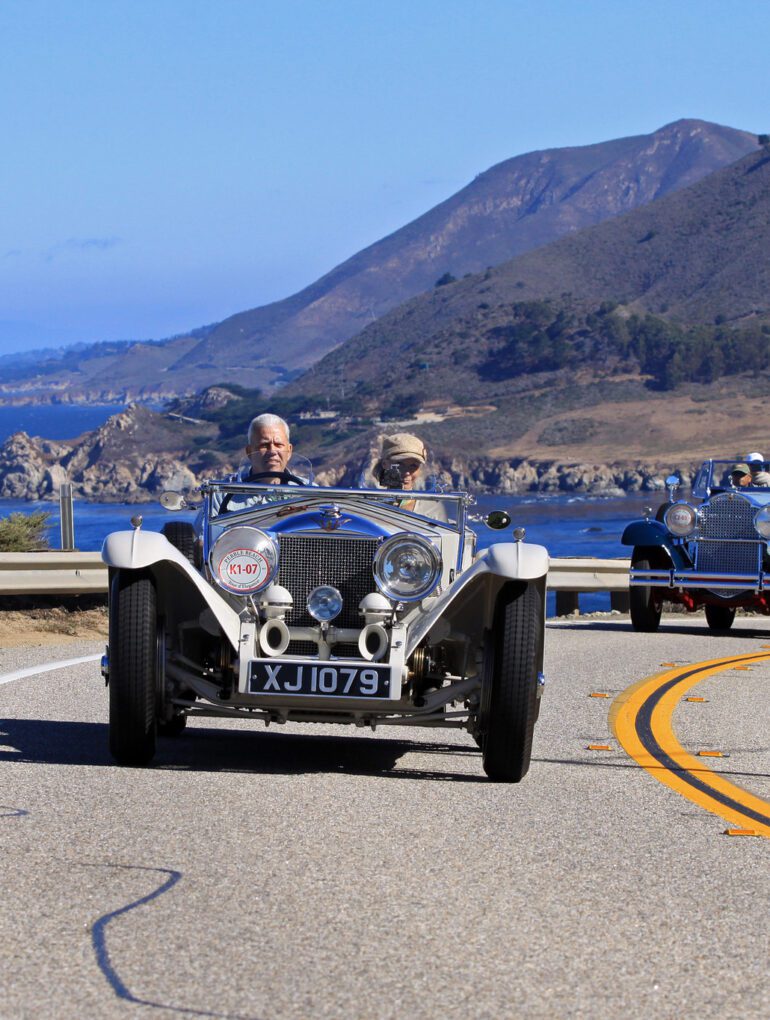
pixel 51 625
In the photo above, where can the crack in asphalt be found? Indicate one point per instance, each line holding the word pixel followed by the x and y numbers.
pixel 104 961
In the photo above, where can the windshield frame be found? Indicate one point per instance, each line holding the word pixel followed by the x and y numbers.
pixel 312 497
pixel 704 482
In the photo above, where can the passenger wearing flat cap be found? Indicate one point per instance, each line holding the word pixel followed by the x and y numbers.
pixel 402 458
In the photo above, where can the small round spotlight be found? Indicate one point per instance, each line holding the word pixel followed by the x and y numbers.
pixel 324 603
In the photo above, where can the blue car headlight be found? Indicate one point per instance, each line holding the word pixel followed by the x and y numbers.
pixel 681 519
pixel 762 521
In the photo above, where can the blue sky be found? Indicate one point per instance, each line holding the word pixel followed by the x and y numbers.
pixel 168 163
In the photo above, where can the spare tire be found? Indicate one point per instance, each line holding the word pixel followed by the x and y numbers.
pixel 181 534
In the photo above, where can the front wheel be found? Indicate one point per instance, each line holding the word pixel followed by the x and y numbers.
pixel 645 609
pixel 134 670
pixel 509 691
pixel 720 618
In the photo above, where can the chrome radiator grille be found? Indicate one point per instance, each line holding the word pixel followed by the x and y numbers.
pixel 310 560
pixel 727 517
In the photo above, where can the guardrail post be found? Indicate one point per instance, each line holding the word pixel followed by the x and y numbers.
pixel 621 601
pixel 567 603
pixel 66 516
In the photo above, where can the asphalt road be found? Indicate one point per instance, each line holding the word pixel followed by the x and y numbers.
pixel 317 872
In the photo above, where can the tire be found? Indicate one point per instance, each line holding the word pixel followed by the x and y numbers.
pixel 509 690
pixel 181 534
pixel 645 612
pixel 134 668
pixel 720 618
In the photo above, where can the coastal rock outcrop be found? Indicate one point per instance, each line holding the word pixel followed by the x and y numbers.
pixel 138 453
pixel 132 458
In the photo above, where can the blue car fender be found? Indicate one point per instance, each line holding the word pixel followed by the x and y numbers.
pixel 655 534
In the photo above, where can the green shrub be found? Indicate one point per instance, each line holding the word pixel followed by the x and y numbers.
pixel 24 532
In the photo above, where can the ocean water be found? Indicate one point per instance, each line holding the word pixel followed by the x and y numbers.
pixel 54 421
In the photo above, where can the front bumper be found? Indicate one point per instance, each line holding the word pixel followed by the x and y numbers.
pixel 687 579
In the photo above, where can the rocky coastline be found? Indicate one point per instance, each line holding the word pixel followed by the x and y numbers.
pixel 116 464
pixel 521 476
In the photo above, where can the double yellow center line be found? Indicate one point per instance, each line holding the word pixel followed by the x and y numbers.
pixel 641 720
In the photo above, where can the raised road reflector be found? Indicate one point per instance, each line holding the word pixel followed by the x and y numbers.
pixel 668 664
pixel 695 698
pixel 598 694
pixel 741 832
pixel 598 747
pixel 712 754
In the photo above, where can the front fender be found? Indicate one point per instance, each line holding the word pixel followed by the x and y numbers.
pixel 646 533
pixel 654 535
pixel 517 561
pixel 142 550
pixel 508 561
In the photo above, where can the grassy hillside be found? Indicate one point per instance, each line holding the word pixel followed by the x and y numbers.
pixel 675 291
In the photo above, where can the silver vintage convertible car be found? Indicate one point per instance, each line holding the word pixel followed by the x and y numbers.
pixel 708 552
pixel 326 605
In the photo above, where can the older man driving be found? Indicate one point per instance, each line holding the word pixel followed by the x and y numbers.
pixel 269 450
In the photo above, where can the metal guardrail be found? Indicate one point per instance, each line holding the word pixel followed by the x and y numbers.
pixel 52 573
pixel 569 576
pixel 81 573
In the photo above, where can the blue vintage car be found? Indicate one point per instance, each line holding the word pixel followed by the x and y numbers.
pixel 710 551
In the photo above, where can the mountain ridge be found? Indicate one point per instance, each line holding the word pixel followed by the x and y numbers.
pixel 521 203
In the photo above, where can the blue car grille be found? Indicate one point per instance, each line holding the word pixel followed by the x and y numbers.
pixel 727 516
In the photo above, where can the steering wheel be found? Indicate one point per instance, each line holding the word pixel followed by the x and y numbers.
pixel 285 476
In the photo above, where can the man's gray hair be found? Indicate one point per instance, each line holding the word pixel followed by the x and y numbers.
pixel 266 421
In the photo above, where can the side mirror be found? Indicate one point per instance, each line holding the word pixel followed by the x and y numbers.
pixel 672 484
pixel 497 520
pixel 173 501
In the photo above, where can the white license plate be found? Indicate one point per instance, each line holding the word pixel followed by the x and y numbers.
pixel 328 679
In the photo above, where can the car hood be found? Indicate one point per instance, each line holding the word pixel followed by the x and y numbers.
pixel 756 497
pixel 321 520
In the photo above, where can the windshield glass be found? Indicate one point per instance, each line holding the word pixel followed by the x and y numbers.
pixel 237 498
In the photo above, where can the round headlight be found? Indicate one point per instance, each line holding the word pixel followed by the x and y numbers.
pixel 244 560
pixel 324 603
pixel 680 519
pixel 407 567
pixel 762 521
